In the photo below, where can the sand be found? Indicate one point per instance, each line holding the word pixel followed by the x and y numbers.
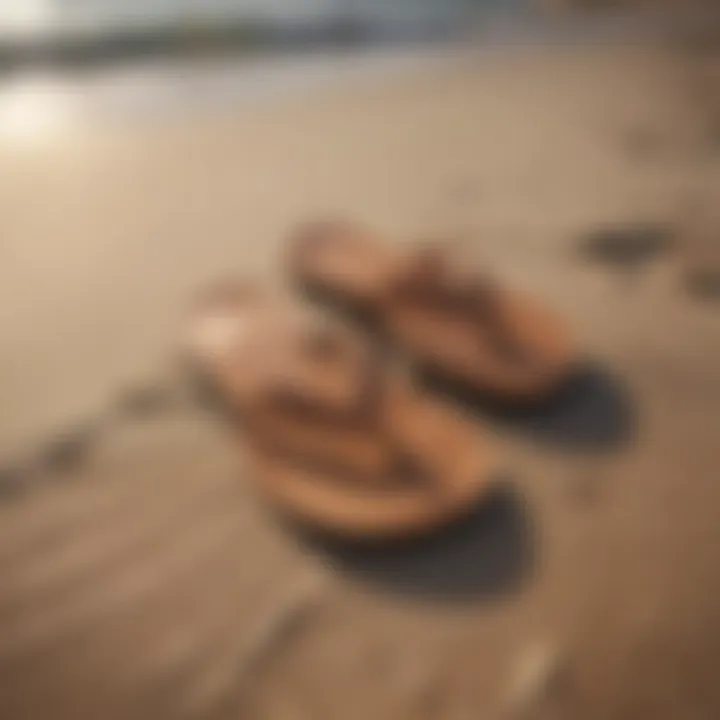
pixel 131 584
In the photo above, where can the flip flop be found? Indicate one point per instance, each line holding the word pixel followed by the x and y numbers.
pixel 450 320
pixel 334 438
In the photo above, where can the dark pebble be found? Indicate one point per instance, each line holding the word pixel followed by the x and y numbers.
pixel 148 401
pixel 703 283
pixel 69 450
pixel 14 481
pixel 626 247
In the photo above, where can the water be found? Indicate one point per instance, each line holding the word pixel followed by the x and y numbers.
pixel 33 18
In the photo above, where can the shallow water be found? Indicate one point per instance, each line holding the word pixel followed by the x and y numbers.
pixel 33 17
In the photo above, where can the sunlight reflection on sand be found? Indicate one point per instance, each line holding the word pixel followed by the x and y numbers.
pixel 36 110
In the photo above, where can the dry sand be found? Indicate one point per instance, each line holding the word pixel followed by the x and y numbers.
pixel 149 583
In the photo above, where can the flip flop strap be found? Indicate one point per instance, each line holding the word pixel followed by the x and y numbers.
pixel 364 412
pixel 432 279
pixel 359 411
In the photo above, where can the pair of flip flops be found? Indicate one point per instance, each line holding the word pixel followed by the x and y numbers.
pixel 336 437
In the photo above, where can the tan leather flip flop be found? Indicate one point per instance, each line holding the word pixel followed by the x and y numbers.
pixel 334 438
pixel 450 320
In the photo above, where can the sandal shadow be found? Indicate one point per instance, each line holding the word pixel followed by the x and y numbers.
pixel 487 555
pixel 592 411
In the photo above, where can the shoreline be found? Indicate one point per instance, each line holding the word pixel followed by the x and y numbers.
pixel 180 40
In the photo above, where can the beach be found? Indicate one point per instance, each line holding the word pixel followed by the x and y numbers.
pixel 133 586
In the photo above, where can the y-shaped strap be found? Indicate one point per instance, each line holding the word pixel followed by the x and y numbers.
pixel 306 389
pixel 430 279
pixel 362 409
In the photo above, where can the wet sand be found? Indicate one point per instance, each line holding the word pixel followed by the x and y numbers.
pixel 134 584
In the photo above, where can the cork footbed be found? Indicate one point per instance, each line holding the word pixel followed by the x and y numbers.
pixel 448 318
pixel 334 438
